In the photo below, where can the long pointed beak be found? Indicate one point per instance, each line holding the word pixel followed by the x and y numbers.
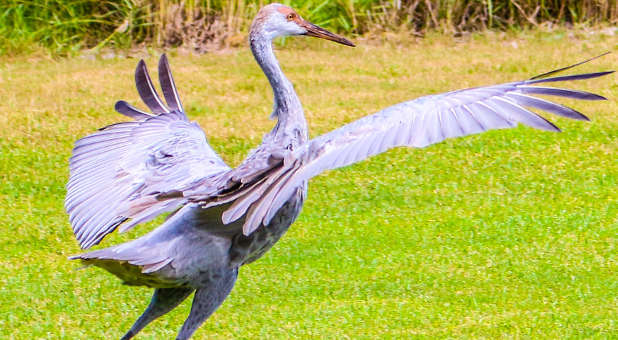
pixel 319 32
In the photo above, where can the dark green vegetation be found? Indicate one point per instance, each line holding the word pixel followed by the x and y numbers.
pixel 66 26
pixel 507 234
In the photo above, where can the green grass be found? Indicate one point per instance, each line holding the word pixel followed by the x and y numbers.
pixel 508 234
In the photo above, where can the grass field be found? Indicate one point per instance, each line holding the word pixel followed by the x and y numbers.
pixel 508 234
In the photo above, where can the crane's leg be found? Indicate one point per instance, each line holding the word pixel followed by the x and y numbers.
pixel 206 301
pixel 163 300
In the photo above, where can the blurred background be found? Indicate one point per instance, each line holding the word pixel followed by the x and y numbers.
pixel 67 26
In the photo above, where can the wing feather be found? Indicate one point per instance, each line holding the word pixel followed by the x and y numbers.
pixel 168 86
pixel 567 78
pixel 131 111
pixel 418 123
pixel 147 91
pixel 113 167
pixel 546 105
pixel 567 93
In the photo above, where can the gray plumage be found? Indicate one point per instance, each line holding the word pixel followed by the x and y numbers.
pixel 222 218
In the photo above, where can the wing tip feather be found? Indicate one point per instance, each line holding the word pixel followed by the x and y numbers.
pixel 547 74
pixel 168 86
pixel 146 89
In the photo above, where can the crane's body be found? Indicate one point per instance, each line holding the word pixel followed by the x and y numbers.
pixel 192 246
pixel 222 217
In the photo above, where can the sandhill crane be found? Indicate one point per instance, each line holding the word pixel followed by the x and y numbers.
pixel 130 172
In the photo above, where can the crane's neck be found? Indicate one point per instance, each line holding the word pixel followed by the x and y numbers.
pixel 291 127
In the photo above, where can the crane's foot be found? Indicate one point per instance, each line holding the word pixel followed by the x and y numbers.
pixel 163 300
pixel 206 301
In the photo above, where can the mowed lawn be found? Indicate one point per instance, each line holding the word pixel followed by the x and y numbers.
pixel 508 234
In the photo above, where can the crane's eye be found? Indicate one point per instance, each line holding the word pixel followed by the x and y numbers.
pixel 291 16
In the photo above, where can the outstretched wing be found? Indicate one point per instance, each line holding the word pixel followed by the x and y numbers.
pixel 122 162
pixel 417 123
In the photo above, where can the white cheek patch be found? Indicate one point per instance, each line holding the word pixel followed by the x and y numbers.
pixel 292 28
pixel 280 27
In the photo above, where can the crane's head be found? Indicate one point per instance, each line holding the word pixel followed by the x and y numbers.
pixel 277 20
